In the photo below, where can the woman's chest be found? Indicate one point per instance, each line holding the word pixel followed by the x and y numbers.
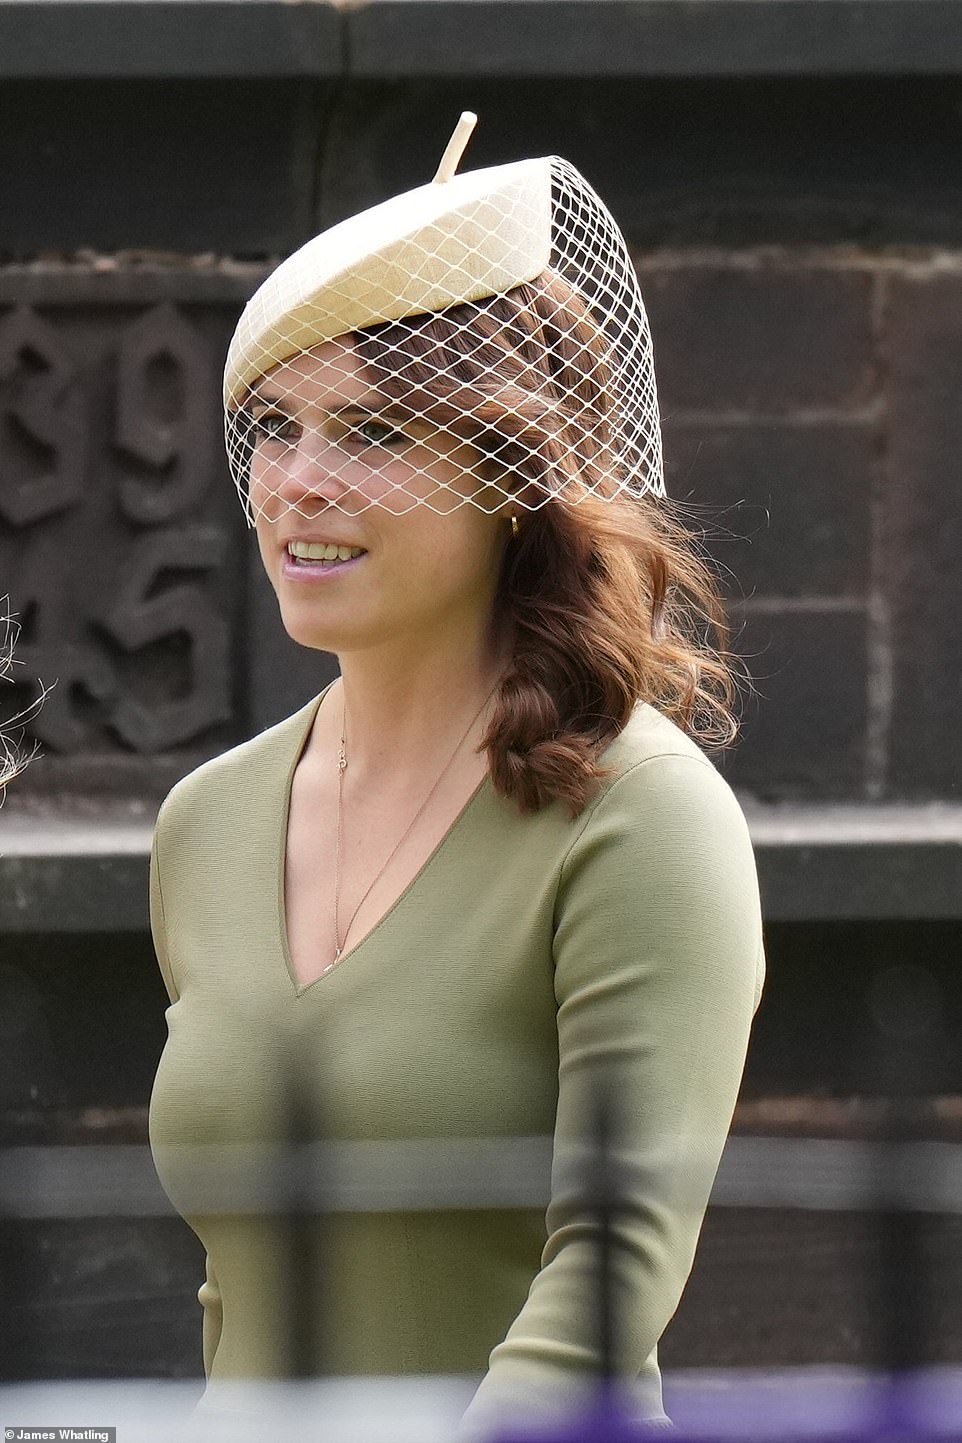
pixel 349 857
pixel 444 1033
pixel 441 1020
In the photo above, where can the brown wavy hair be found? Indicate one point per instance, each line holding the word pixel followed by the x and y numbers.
pixel 605 596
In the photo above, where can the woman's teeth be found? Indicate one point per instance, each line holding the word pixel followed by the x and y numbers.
pixel 321 551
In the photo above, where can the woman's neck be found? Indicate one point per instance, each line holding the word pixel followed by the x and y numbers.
pixel 404 719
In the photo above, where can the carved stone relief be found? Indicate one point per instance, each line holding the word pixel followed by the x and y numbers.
pixel 118 522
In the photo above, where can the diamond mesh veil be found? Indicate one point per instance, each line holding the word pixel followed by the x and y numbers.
pixel 529 376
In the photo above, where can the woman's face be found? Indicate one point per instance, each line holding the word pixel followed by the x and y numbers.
pixel 332 463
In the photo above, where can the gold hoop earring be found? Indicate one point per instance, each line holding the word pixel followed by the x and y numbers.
pixel 515 528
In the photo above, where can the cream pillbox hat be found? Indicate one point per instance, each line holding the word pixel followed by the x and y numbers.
pixel 462 240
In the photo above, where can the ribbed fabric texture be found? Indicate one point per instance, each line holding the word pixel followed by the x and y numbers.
pixel 531 959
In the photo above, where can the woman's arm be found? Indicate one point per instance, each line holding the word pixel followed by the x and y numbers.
pixel 658 970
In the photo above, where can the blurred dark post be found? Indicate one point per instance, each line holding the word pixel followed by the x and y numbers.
pixel 24 1046
pixel 301 1228
pixel 908 1056
pixel 13 1284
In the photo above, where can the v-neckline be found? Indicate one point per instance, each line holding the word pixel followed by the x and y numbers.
pixel 300 988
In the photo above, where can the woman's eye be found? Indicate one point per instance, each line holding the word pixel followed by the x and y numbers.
pixel 273 425
pixel 378 433
pixel 278 426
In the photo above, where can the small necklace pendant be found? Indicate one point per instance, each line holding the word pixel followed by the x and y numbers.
pixel 341 760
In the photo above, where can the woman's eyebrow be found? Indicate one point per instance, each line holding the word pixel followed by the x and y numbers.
pixel 370 404
pixel 266 400
pixel 374 405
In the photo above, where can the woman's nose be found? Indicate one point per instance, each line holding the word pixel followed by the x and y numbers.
pixel 311 475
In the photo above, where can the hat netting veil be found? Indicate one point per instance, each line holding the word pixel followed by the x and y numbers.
pixel 481 339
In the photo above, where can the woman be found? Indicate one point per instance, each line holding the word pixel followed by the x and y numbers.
pixel 490 870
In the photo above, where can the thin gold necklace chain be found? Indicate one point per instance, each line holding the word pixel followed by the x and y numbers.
pixel 341 767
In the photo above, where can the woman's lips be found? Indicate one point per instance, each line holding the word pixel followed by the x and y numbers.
pixel 317 570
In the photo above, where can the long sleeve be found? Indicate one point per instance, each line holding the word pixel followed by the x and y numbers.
pixel 659 966
pixel 208 1294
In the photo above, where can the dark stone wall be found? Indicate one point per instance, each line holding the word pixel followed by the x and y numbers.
pixel 808 422
pixel 810 415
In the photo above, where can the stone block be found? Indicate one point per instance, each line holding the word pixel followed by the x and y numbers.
pixel 759 337
pixel 119 526
pixel 804 725
pixel 922 531
pixel 104 1298
pixel 811 1035
pixel 692 161
pixel 785 509
pixel 243 152
pixel 154 39
pixel 858 860
pixel 82 1025
pixel 773 1288
pixel 651 38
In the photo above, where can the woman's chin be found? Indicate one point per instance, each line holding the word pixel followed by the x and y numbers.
pixel 313 638
pixel 324 633
pixel 309 631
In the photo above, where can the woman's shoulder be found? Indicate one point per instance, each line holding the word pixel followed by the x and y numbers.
pixel 245 771
pixel 650 734
pixel 656 768
pixel 666 833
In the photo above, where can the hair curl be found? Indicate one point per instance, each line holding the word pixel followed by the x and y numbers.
pixel 605 595
pixel 12 760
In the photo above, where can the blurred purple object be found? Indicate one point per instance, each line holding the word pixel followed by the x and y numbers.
pixel 842 1406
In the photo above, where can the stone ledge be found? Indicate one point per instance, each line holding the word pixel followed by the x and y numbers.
pixel 845 862
pixel 850 1117
pixel 119 1179
pixel 167 39
pixel 653 38
pixel 834 862
pixel 384 39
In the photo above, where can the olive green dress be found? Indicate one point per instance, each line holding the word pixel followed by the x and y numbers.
pixel 530 959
